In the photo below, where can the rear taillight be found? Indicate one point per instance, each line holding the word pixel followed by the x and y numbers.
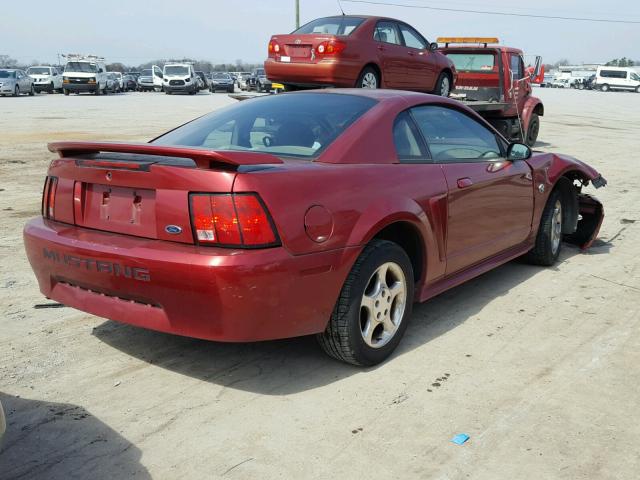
pixel 232 220
pixel 274 47
pixel 49 198
pixel 331 47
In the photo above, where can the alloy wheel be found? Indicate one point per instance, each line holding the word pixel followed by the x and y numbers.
pixel 445 87
pixel 369 80
pixel 383 304
pixel 556 226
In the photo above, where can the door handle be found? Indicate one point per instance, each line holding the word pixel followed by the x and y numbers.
pixel 380 47
pixel 464 182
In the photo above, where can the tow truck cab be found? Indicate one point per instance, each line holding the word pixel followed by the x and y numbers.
pixel 494 81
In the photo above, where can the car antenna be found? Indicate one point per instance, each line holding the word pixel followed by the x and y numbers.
pixel 340 7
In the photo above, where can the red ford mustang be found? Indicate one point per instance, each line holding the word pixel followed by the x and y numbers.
pixel 359 51
pixel 320 212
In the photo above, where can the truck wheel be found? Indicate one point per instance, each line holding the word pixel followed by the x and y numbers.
pixel 368 78
pixel 532 131
pixel 604 88
pixel 373 308
pixel 443 85
pixel 65 91
pixel 549 238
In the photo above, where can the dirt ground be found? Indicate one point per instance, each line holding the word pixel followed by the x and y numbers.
pixel 538 366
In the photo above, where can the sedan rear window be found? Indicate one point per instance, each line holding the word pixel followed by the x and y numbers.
pixel 473 62
pixel 299 125
pixel 331 25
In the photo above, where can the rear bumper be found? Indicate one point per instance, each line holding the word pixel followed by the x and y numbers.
pixel 340 73
pixel 209 293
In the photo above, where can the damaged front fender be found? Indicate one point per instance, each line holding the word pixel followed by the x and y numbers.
pixel 591 214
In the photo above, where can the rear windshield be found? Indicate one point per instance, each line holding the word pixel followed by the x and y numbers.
pixel 5 74
pixel 38 71
pixel 299 125
pixel 176 70
pixel 473 62
pixel 85 67
pixel 331 25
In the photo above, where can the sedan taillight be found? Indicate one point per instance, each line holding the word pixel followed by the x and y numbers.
pixel 49 198
pixel 232 220
pixel 274 47
pixel 331 47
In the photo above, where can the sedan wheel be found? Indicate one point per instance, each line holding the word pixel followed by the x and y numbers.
pixel 16 92
pixel 373 308
pixel 443 85
pixel 549 237
pixel 368 79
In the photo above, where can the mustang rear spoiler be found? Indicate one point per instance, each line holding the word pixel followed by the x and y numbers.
pixel 202 157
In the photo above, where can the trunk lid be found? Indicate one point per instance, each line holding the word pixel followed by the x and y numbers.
pixel 139 189
pixel 303 48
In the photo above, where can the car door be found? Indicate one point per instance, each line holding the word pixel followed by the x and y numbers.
pixel 392 56
pixel 422 70
pixel 490 199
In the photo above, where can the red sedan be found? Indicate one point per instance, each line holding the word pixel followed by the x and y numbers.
pixel 359 51
pixel 324 212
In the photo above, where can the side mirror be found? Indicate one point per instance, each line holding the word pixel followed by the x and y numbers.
pixel 433 46
pixel 518 151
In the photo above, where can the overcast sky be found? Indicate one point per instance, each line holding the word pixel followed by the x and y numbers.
pixel 132 31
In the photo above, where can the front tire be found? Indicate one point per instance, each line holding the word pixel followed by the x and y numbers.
pixel 368 78
pixel 604 88
pixel 16 91
pixel 32 91
pixel 374 306
pixel 443 85
pixel 549 238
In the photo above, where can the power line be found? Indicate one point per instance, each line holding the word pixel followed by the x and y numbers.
pixel 504 14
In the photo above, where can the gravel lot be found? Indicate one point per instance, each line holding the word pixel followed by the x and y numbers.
pixel 538 366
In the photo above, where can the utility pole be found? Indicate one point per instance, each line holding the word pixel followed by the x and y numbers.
pixel 297 14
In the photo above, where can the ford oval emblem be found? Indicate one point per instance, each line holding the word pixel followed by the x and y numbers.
pixel 173 229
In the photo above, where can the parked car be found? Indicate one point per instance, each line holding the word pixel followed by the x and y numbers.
pixel 120 79
pixel 150 80
pixel 113 83
pixel 84 73
pixel 205 81
pixel 242 80
pixel 14 82
pixel 617 78
pixel 221 81
pixel 129 83
pixel 561 83
pixel 326 212
pixel 180 77
pixel 547 80
pixel 258 81
pixel 45 79
pixel 359 51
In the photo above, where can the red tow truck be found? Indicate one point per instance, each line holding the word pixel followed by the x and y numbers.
pixel 494 81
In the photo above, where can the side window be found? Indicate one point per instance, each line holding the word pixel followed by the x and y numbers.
pixel 412 39
pixel 453 136
pixel 406 139
pixel 517 66
pixel 386 32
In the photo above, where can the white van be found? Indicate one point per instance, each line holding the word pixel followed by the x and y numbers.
pixel 84 73
pixel 617 78
pixel 179 77
pixel 45 78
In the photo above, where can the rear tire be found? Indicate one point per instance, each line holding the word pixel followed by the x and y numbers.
pixel 549 238
pixel 533 130
pixel 374 306
pixel 368 78
pixel 443 85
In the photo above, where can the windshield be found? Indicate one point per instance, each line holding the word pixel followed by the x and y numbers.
pixel 146 73
pixel 260 72
pixel 6 74
pixel 84 67
pixel 331 25
pixel 297 125
pixel 38 71
pixel 176 70
pixel 473 62
pixel 222 76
